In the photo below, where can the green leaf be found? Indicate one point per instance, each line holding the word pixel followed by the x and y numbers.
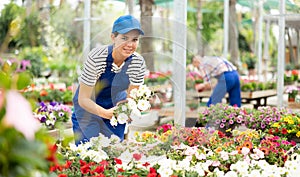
pixel 23 81
pixel 5 80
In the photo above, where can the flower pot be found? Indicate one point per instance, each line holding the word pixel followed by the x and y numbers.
pixel 146 120
pixel 291 99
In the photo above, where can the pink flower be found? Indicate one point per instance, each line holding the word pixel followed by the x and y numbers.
pixel 19 115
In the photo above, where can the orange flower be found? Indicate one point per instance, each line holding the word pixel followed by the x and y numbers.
pixel 176 142
pixel 218 150
pixel 193 132
pixel 265 150
pixel 185 136
pixel 248 144
pixel 239 149
pixel 227 144
pixel 43 93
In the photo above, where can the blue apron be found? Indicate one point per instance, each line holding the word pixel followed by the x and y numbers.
pixel 110 88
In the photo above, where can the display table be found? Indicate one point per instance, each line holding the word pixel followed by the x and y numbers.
pixel 247 97
pixel 167 112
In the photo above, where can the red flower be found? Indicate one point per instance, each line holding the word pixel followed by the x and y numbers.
pixel 271 131
pixel 104 163
pixel 118 161
pixel 62 175
pixel 152 175
pixel 152 170
pixel 295 72
pixel 121 170
pixel 85 169
pixel 68 164
pixel 82 163
pixel 221 134
pixel 137 156
pixel 146 164
pixel 284 131
pixel 99 169
pixel 134 175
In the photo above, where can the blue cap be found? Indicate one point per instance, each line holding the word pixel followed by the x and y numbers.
pixel 126 23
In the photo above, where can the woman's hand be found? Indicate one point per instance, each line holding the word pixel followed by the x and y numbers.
pixel 121 102
pixel 107 113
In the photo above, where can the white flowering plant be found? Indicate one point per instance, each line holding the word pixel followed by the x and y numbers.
pixel 132 108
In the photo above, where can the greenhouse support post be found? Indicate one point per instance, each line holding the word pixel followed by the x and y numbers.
pixel 281 53
pixel 179 60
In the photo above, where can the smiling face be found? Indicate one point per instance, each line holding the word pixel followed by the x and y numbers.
pixel 125 44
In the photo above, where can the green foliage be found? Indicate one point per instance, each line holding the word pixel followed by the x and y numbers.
pixel 36 56
pixel 18 156
pixel 256 86
pixel 11 79
pixel 250 60
pixel 61 26
pixel 211 19
pixel 30 34
pixel 10 12
pixel 48 95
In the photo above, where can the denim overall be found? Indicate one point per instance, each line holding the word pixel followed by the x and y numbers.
pixel 113 89
pixel 228 82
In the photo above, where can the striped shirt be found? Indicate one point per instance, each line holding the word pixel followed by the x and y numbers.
pixel 96 64
pixel 214 66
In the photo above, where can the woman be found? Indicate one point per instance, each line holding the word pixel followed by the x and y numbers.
pixel 109 73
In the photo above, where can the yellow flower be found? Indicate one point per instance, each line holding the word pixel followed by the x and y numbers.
pixel 276 125
pixel 298 134
pixel 291 121
pixel 287 118
pixel 136 134
pixel 164 138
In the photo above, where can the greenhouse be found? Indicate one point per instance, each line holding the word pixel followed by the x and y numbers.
pixel 149 88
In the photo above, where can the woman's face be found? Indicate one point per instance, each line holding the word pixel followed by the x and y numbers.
pixel 126 44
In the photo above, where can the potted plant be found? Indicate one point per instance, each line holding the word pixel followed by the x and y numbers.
pixel 292 92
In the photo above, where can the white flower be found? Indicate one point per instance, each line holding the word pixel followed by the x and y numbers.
pixel 259 153
pixel 124 108
pixel 50 122
pixel 135 114
pixel 114 138
pixel 122 118
pixel 224 155
pixel 99 155
pixel 137 102
pixel 133 93
pixel 245 150
pixel 231 174
pixel 254 173
pixel 131 103
pixel 113 121
pixel 126 156
pixel 143 105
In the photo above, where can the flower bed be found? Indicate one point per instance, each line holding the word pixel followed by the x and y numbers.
pixel 177 151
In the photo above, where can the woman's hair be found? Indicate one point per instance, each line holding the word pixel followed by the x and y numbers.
pixel 115 34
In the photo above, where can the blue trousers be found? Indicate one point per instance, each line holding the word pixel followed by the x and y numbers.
pixel 228 82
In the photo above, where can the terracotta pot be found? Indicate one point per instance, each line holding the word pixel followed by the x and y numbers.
pixel 291 99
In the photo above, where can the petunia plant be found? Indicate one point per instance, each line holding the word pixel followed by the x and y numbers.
pixel 137 102
pixel 50 114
